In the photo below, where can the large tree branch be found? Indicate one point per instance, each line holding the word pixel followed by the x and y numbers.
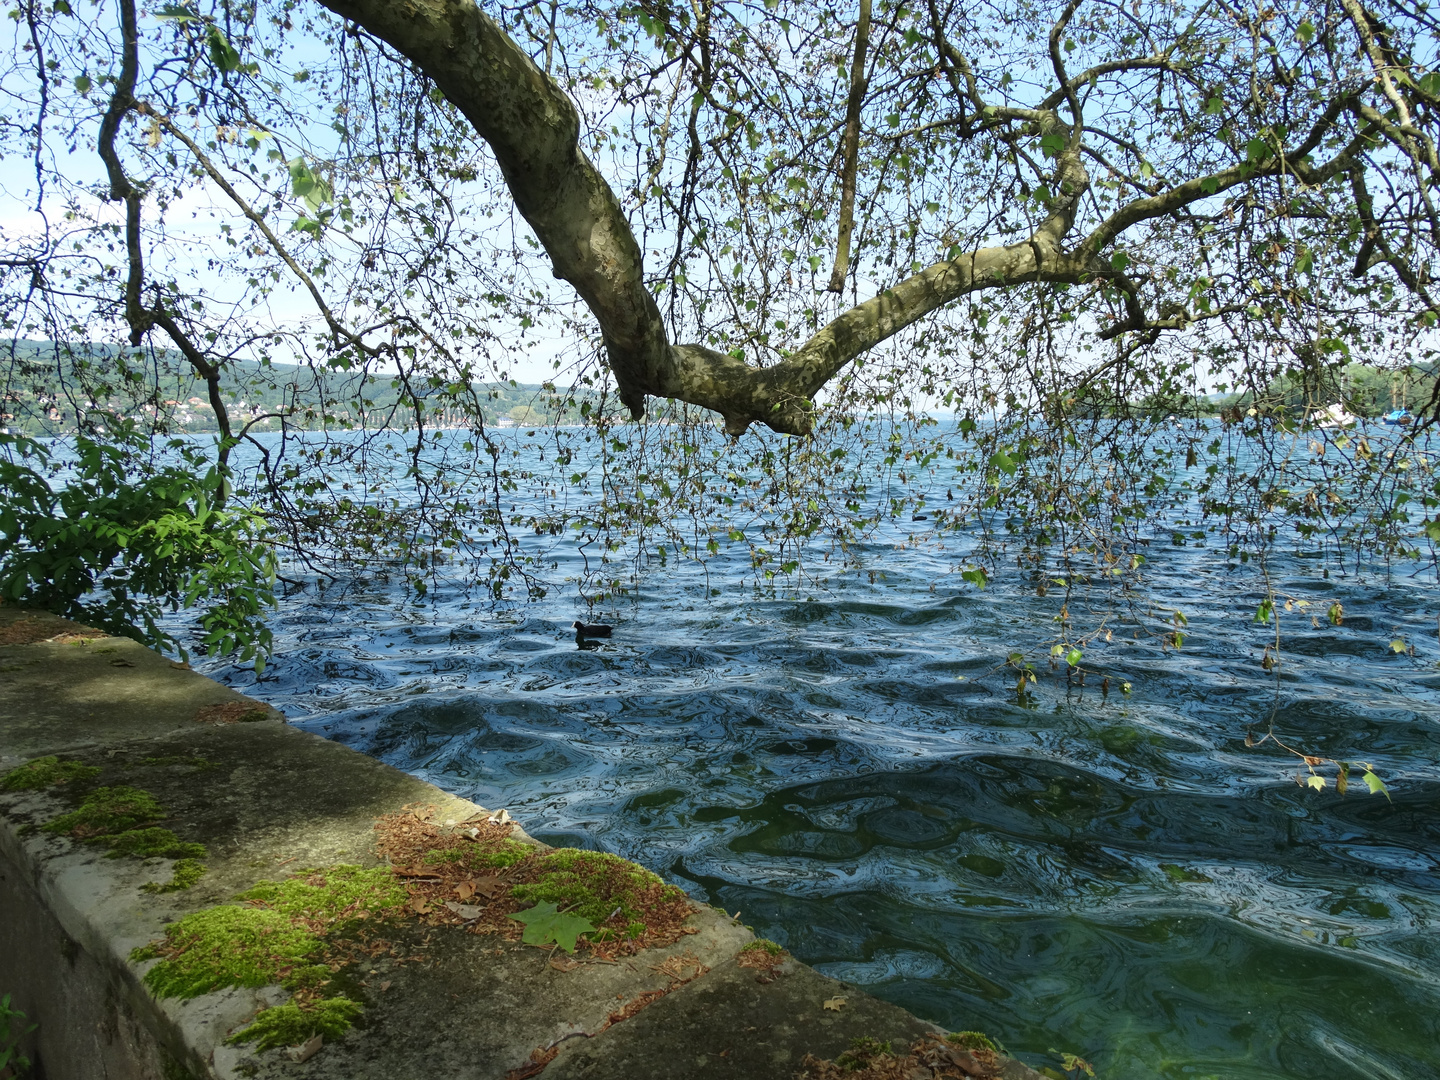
pixel 533 129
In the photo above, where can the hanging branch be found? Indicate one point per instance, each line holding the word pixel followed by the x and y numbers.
pixel 137 315
pixel 858 83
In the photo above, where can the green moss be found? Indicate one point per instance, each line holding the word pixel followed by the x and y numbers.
pixel 861 1053
pixel 291 1025
pixel 46 772
pixel 774 948
pixel 972 1040
pixel 183 875
pixel 150 843
pixel 231 946
pixel 592 884
pixel 472 857
pixel 278 938
pixel 339 896
pixel 108 810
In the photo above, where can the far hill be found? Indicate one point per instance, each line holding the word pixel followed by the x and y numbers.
pixel 49 388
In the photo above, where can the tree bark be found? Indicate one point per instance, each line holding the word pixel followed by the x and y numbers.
pixel 851 153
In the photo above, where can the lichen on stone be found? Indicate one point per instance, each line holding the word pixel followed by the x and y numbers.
pixel 291 1025
pixel 107 811
pixel 595 885
pixel 184 874
pixel 197 763
pixel 46 772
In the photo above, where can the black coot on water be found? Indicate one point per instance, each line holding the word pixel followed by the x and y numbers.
pixel 591 630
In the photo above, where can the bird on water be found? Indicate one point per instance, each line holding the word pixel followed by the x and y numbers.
pixel 589 630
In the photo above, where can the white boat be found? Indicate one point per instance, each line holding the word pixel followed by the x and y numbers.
pixel 1332 417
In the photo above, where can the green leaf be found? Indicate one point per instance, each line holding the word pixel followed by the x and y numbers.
pixel 82 83
pixel 1430 83
pixel 1397 646
pixel 1316 782
pixel 1073 657
pixel 175 13
pixel 1375 784
pixel 544 923
pixel 1214 105
pixel 1004 462
pixel 1305 31
pixel 1119 260
pixel 1304 262
pixel 222 53
pixel 1052 144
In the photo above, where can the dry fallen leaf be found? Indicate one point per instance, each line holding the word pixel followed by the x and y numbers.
pixel 419 906
pixel 489 887
pixel 680 967
pixel 306 1050
pixel 835 1004
pixel 465 890
pixel 563 963
pixel 465 911
pixel 500 817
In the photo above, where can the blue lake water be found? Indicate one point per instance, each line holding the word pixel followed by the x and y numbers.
pixel 1114 875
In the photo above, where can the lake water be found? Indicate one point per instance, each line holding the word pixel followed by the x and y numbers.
pixel 1114 875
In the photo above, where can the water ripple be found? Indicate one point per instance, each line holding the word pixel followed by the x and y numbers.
pixel 1114 874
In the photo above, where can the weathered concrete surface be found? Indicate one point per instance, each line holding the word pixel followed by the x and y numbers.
pixel 738 1022
pixel 267 799
pixel 56 696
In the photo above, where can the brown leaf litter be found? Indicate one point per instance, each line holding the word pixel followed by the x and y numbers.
pixel 463 874
pixel 233 712
pixel 931 1058
pixel 33 629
